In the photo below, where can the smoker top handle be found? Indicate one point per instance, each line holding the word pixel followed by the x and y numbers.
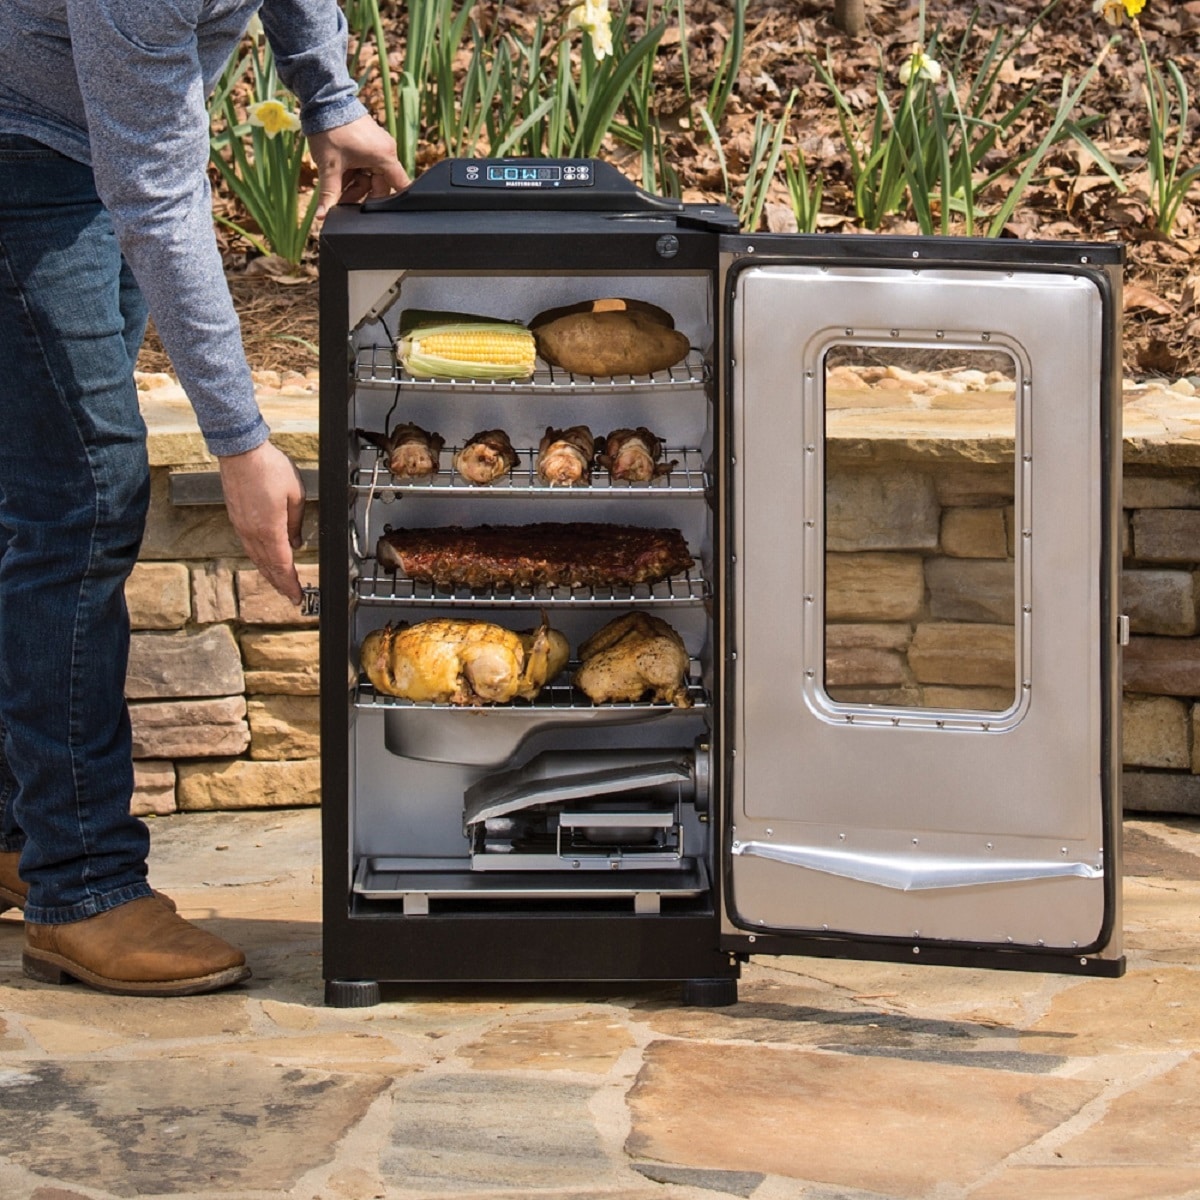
pixel 523 185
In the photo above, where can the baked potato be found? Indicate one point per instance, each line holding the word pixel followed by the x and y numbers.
pixel 609 337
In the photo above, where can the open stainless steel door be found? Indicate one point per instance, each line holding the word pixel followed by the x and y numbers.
pixel 922 487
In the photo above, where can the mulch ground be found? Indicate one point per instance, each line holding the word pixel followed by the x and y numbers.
pixel 1069 198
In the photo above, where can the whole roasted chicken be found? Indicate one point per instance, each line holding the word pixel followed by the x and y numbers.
pixel 634 455
pixel 411 452
pixel 632 656
pixel 452 660
pixel 565 456
pixel 486 456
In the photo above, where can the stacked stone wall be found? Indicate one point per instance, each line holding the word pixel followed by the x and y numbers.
pixel 223 689
pixel 1161 589
pixel 920 585
pixel 926 618
pixel 223 683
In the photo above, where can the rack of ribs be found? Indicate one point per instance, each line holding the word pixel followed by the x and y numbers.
pixel 542 554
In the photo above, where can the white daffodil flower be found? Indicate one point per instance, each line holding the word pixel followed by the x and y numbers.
pixel 593 17
pixel 919 64
pixel 273 117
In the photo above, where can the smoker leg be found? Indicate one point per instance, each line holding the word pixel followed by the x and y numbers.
pixel 710 993
pixel 351 993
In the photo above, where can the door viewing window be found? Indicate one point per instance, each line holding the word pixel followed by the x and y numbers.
pixel 922 515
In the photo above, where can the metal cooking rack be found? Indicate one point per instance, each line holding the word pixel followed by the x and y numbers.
pixel 384 587
pixel 377 364
pixel 555 697
pixel 689 477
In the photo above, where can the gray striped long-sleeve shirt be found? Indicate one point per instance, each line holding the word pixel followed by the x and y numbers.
pixel 122 85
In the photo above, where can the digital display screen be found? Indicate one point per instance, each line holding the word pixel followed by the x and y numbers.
pixel 524 174
pixel 530 174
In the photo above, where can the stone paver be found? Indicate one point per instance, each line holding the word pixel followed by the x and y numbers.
pixel 827 1081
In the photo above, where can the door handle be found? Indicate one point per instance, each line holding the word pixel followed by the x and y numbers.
pixel 916 873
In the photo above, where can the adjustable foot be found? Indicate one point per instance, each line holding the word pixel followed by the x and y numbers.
pixel 351 993
pixel 710 993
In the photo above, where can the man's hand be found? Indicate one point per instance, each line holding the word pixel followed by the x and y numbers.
pixel 264 496
pixel 355 161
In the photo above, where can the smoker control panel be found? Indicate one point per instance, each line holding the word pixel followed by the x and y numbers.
pixel 523 184
pixel 527 173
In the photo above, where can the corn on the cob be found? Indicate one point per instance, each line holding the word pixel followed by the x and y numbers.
pixel 460 346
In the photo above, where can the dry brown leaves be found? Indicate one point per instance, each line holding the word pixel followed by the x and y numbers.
pixel 1071 199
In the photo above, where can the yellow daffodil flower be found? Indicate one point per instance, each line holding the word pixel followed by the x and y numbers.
pixel 921 65
pixel 1115 11
pixel 594 18
pixel 273 117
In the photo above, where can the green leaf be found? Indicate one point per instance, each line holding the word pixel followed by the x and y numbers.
pixel 604 103
pixel 730 64
pixel 715 138
pixel 1067 103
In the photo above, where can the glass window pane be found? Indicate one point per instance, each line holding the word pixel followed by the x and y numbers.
pixel 921 575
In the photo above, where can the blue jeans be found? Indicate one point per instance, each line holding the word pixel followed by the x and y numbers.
pixel 74 491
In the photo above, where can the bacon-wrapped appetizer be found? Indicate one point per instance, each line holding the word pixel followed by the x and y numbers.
pixel 634 455
pixel 412 452
pixel 565 456
pixel 486 456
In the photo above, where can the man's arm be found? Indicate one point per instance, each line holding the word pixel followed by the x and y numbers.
pixel 355 157
pixel 308 39
pixel 141 81
pixel 140 78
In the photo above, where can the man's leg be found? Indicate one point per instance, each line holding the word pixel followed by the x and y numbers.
pixel 74 491
pixel 74 484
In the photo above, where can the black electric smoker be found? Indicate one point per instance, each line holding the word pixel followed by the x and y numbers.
pixel 895 472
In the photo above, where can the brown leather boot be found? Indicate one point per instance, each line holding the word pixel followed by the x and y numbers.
pixel 137 949
pixel 14 890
